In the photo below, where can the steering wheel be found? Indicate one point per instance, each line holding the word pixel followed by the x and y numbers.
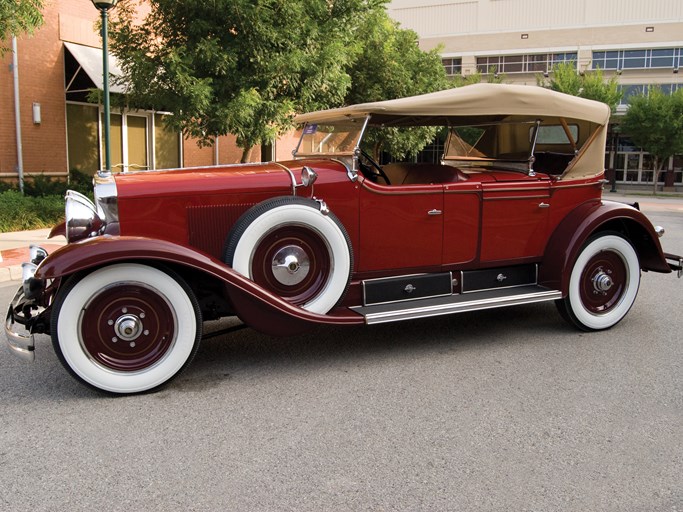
pixel 373 168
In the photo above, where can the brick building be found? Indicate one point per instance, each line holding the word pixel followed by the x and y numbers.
pixel 60 129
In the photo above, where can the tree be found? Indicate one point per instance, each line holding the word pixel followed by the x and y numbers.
pixel 591 84
pixel 238 66
pixel 392 65
pixel 654 121
pixel 18 17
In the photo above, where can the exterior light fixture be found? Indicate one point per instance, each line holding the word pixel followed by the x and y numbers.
pixel 103 6
pixel 525 36
pixel 36 113
pixel 649 29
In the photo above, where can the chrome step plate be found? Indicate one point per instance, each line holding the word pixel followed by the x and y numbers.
pixel 474 301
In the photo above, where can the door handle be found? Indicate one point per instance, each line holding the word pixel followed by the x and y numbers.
pixel 434 212
pixel 544 205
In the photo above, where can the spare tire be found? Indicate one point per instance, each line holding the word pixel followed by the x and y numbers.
pixel 292 249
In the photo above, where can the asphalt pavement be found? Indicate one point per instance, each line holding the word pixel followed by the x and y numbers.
pixel 505 410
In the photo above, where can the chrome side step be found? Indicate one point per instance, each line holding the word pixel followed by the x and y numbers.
pixel 435 306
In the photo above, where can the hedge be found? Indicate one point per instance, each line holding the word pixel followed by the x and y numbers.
pixel 43 203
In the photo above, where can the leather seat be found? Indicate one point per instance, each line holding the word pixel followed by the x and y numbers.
pixel 404 173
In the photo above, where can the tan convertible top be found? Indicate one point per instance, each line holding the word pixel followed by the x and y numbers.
pixel 472 101
pixel 481 104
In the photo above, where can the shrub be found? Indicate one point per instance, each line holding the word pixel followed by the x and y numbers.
pixel 42 204
pixel 18 212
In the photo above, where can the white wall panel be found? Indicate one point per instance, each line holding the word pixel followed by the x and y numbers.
pixel 443 17
pixel 439 19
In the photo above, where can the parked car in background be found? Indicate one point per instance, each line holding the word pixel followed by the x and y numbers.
pixel 513 214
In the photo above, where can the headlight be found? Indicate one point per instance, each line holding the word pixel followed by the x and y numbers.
pixel 82 219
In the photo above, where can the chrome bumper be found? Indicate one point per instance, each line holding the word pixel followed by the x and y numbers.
pixel 23 310
pixel 19 339
pixel 675 263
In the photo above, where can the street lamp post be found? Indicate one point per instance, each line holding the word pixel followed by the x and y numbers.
pixel 103 6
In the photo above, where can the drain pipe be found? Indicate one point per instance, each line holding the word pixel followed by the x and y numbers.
pixel 17 118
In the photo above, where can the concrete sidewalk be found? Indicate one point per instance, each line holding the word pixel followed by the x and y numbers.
pixel 14 250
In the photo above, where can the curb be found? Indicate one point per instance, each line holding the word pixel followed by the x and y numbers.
pixel 11 273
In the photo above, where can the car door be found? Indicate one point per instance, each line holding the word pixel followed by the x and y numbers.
pixel 401 227
pixel 514 219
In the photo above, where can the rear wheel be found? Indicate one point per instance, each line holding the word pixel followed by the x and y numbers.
pixel 126 328
pixel 603 284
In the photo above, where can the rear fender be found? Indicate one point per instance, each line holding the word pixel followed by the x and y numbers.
pixel 254 305
pixel 589 218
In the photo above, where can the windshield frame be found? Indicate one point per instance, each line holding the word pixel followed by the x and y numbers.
pixel 353 150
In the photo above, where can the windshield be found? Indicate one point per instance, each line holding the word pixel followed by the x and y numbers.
pixel 338 139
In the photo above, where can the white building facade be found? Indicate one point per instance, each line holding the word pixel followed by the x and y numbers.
pixel 640 42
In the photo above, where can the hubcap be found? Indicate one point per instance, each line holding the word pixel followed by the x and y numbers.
pixel 128 327
pixel 291 265
pixel 603 282
pixel 293 262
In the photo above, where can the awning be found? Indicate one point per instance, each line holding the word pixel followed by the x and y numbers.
pixel 90 60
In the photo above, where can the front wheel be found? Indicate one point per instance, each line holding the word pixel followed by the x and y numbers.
pixel 603 284
pixel 126 328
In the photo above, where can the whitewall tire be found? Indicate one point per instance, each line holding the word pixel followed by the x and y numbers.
pixel 126 328
pixel 603 284
pixel 289 247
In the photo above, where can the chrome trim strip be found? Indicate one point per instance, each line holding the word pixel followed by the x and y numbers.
pixel 390 190
pixel 106 197
pixel 448 307
pixel 291 176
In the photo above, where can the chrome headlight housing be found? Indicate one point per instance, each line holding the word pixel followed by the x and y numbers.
pixel 82 219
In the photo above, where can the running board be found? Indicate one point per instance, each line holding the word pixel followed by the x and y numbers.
pixel 474 301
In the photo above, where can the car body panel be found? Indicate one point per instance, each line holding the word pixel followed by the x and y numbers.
pixel 257 307
pixel 587 218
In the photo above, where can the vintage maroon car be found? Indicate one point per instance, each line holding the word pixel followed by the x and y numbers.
pixel 511 215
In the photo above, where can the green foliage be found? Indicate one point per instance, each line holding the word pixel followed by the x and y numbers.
pixel 41 185
pixel 42 204
pixel 238 66
pixel 19 212
pixel 18 17
pixel 590 85
pixel 654 121
pixel 391 65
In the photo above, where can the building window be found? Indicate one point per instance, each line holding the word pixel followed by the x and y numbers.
pixel 166 145
pixel 634 166
pixel 638 59
pixel 631 90
pixel 452 66
pixel 531 63
pixel 82 136
pixel 678 168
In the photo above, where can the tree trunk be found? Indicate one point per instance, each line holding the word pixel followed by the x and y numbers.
pixel 377 150
pixel 655 173
pixel 246 154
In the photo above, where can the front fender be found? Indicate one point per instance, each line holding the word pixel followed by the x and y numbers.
pixel 255 306
pixel 588 218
